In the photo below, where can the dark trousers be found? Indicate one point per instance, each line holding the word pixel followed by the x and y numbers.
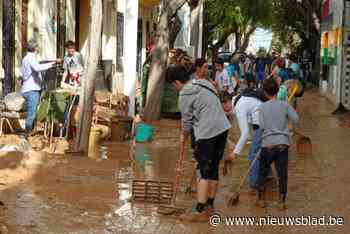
pixel 279 155
pixel 208 154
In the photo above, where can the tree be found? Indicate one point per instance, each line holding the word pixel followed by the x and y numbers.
pixel 238 17
pixel 301 17
pixel 167 29
pixel 88 86
pixel 253 14
pixel 289 40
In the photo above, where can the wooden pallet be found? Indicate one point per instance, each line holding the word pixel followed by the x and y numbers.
pixel 152 191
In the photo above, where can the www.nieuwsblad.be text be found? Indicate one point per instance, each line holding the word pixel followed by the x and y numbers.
pixel 325 220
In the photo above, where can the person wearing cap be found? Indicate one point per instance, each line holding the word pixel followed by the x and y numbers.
pixel 31 82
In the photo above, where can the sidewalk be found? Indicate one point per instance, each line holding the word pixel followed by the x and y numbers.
pixel 77 195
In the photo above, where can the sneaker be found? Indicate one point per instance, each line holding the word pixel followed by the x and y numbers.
pixel 282 205
pixel 210 210
pixel 195 216
pixel 282 202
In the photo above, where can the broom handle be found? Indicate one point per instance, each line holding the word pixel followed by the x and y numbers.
pixel 295 88
pixel 177 177
pixel 298 133
pixel 247 173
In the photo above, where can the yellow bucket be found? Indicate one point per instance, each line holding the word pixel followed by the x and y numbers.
pixel 95 137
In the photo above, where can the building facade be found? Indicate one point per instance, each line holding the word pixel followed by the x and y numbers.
pixel 129 30
pixel 335 51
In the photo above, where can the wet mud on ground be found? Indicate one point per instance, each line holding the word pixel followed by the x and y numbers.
pixel 42 193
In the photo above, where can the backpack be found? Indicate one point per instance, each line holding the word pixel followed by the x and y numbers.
pixel 251 92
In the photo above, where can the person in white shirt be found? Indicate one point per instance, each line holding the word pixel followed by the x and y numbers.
pixel 73 65
pixel 223 81
pixel 246 110
pixel 31 82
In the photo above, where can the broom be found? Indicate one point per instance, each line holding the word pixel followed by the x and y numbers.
pixel 172 209
pixel 234 199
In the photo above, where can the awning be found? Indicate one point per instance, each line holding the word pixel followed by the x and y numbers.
pixel 149 3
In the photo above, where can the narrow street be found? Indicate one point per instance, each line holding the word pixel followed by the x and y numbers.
pixel 42 194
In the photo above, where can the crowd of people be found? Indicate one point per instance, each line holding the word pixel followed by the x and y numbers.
pixel 256 90
pixel 261 93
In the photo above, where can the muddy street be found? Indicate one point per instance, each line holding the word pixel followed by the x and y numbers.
pixel 46 194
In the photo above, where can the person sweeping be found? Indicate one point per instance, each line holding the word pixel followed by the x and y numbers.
pixel 201 111
pixel 273 119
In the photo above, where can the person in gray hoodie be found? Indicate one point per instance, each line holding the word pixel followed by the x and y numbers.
pixel 201 111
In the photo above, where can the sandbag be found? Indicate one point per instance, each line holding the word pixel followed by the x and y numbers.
pixel 14 102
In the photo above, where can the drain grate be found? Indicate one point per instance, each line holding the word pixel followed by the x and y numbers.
pixel 152 191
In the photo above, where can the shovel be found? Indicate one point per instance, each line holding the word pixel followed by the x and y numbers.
pixel 303 143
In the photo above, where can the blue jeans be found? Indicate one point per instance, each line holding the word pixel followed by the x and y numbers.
pixel 260 77
pixel 32 101
pixel 253 152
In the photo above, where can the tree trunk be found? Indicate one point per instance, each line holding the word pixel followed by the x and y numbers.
pixel 159 63
pixel 238 41
pixel 246 39
pixel 158 67
pixel 245 44
pixel 205 31
pixel 214 57
pixel 88 88
pixel 8 45
pixel 175 28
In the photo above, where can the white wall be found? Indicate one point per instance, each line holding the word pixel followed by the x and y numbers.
pixel 18 37
pixel 121 6
pixel 335 71
pixel 42 26
pixel 109 32
pixel 183 38
pixel 130 51
pixel 34 21
pixel 70 20
pixel 1 68
pixel 49 29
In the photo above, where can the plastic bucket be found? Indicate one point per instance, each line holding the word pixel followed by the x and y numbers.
pixel 144 132
pixel 95 136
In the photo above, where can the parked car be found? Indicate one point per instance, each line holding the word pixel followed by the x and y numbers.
pixel 225 56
